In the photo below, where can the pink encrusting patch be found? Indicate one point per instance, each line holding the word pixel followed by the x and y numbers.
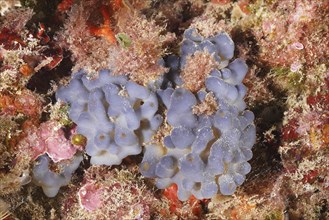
pixel 37 144
pixel 49 138
pixel 57 146
pixel 90 196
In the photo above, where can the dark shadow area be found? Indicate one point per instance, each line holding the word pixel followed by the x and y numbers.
pixel 40 82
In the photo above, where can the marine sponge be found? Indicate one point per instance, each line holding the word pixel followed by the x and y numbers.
pixel 114 114
pixel 51 181
pixel 204 154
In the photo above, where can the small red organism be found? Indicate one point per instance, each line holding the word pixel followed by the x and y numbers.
pixel 325 134
pixel 105 29
pixel 56 54
pixel 116 4
pixel 64 5
pixel 196 205
pixel 10 40
pixel 42 35
pixel 175 204
pixel 318 99
pixel 289 131
pixel 238 212
pixel 26 70
pixel 6 105
pixel 221 2
pixel 171 194
pixel 311 176
pixel 244 6
pixel 319 105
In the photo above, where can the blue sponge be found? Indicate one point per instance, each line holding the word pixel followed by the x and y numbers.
pixel 52 181
pixel 204 154
pixel 110 111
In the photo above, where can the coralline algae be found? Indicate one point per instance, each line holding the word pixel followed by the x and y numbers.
pixel 203 154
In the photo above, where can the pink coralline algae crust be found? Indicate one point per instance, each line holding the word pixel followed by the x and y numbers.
pixel 111 193
pixel 57 146
pixel 49 138
pixel 90 196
